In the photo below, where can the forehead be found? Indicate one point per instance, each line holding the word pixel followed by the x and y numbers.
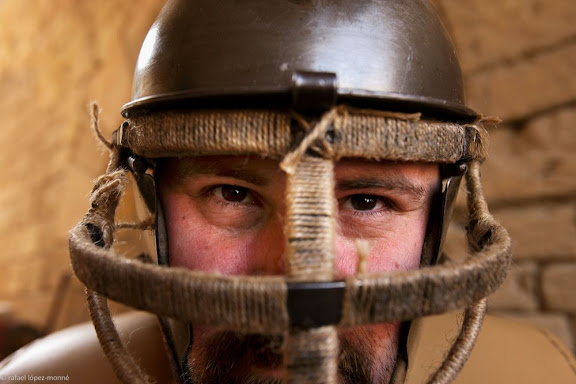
pixel 263 171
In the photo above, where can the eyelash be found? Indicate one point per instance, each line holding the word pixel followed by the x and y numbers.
pixel 387 205
pixel 209 193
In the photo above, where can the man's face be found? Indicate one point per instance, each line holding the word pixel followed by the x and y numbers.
pixel 226 215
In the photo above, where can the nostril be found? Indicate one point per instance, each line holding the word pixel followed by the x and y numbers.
pixel 257 272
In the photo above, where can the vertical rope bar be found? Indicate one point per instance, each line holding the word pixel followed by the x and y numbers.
pixel 311 355
pixel 310 221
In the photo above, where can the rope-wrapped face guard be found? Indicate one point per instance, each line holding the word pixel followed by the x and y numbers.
pixel 273 304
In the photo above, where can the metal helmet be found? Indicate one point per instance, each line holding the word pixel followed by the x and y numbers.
pixel 387 55
pixel 305 82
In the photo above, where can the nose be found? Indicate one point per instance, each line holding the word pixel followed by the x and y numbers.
pixel 269 248
pixel 346 255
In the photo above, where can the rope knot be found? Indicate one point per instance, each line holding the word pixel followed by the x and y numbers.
pixel 319 140
pixel 480 234
pixel 99 220
pixel 106 187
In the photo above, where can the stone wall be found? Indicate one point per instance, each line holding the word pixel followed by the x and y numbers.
pixel 58 55
pixel 518 61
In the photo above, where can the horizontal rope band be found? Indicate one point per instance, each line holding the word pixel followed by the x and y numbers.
pixel 261 304
pixel 258 304
pixel 238 303
pixel 376 136
pixel 433 290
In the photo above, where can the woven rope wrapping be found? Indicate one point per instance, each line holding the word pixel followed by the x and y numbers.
pixel 243 304
pixel 392 297
pixel 380 137
pixel 462 347
pixel 172 292
pixel 310 221
pixel 194 133
pixel 125 367
pixel 311 355
pixel 367 134
pixel 257 304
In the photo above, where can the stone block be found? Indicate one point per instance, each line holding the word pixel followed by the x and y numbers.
pixel 559 287
pixel 518 292
pixel 20 278
pixel 522 88
pixel 53 62
pixel 540 232
pixel 535 161
pixel 65 200
pixel 23 244
pixel 496 32
pixel 16 206
pixel 54 82
pixel 60 306
pixel 556 323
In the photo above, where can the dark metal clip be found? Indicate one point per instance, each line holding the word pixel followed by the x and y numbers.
pixel 145 181
pixel 313 91
pixel 312 305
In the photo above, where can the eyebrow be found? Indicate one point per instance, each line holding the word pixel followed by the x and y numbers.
pixel 398 183
pixel 222 170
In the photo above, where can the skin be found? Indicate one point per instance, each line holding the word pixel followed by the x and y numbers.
pixel 234 207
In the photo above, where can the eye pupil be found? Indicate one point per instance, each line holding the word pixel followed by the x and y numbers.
pixel 363 202
pixel 233 193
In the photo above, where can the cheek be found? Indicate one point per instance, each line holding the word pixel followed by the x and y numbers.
pixel 197 245
pixel 397 248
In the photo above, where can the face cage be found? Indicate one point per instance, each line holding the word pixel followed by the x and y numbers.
pixel 273 304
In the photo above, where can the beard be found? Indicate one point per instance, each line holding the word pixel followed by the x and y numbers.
pixel 365 356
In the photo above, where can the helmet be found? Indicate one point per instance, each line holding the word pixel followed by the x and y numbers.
pixel 306 83
pixel 382 54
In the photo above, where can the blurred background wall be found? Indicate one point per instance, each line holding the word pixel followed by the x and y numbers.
pixel 58 55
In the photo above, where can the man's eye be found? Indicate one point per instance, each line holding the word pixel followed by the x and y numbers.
pixel 364 202
pixel 231 193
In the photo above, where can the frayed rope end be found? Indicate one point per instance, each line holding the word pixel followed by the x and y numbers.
pixel 95 124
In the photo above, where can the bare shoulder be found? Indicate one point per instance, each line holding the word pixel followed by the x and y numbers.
pixel 506 351
pixel 74 354
pixel 510 351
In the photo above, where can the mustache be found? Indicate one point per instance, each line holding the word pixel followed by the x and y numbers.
pixel 229 357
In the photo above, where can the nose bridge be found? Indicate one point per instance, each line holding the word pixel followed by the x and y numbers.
pixel 276 258
pixel 310 257
pixel 310 220
pixel 270 247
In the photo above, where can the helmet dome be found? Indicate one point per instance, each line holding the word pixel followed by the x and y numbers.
pixel 393 55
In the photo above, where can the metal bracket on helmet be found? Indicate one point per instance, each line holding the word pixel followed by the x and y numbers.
pixel 313 91
pixel 139 168
pixel 452 176
pixel 145 181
